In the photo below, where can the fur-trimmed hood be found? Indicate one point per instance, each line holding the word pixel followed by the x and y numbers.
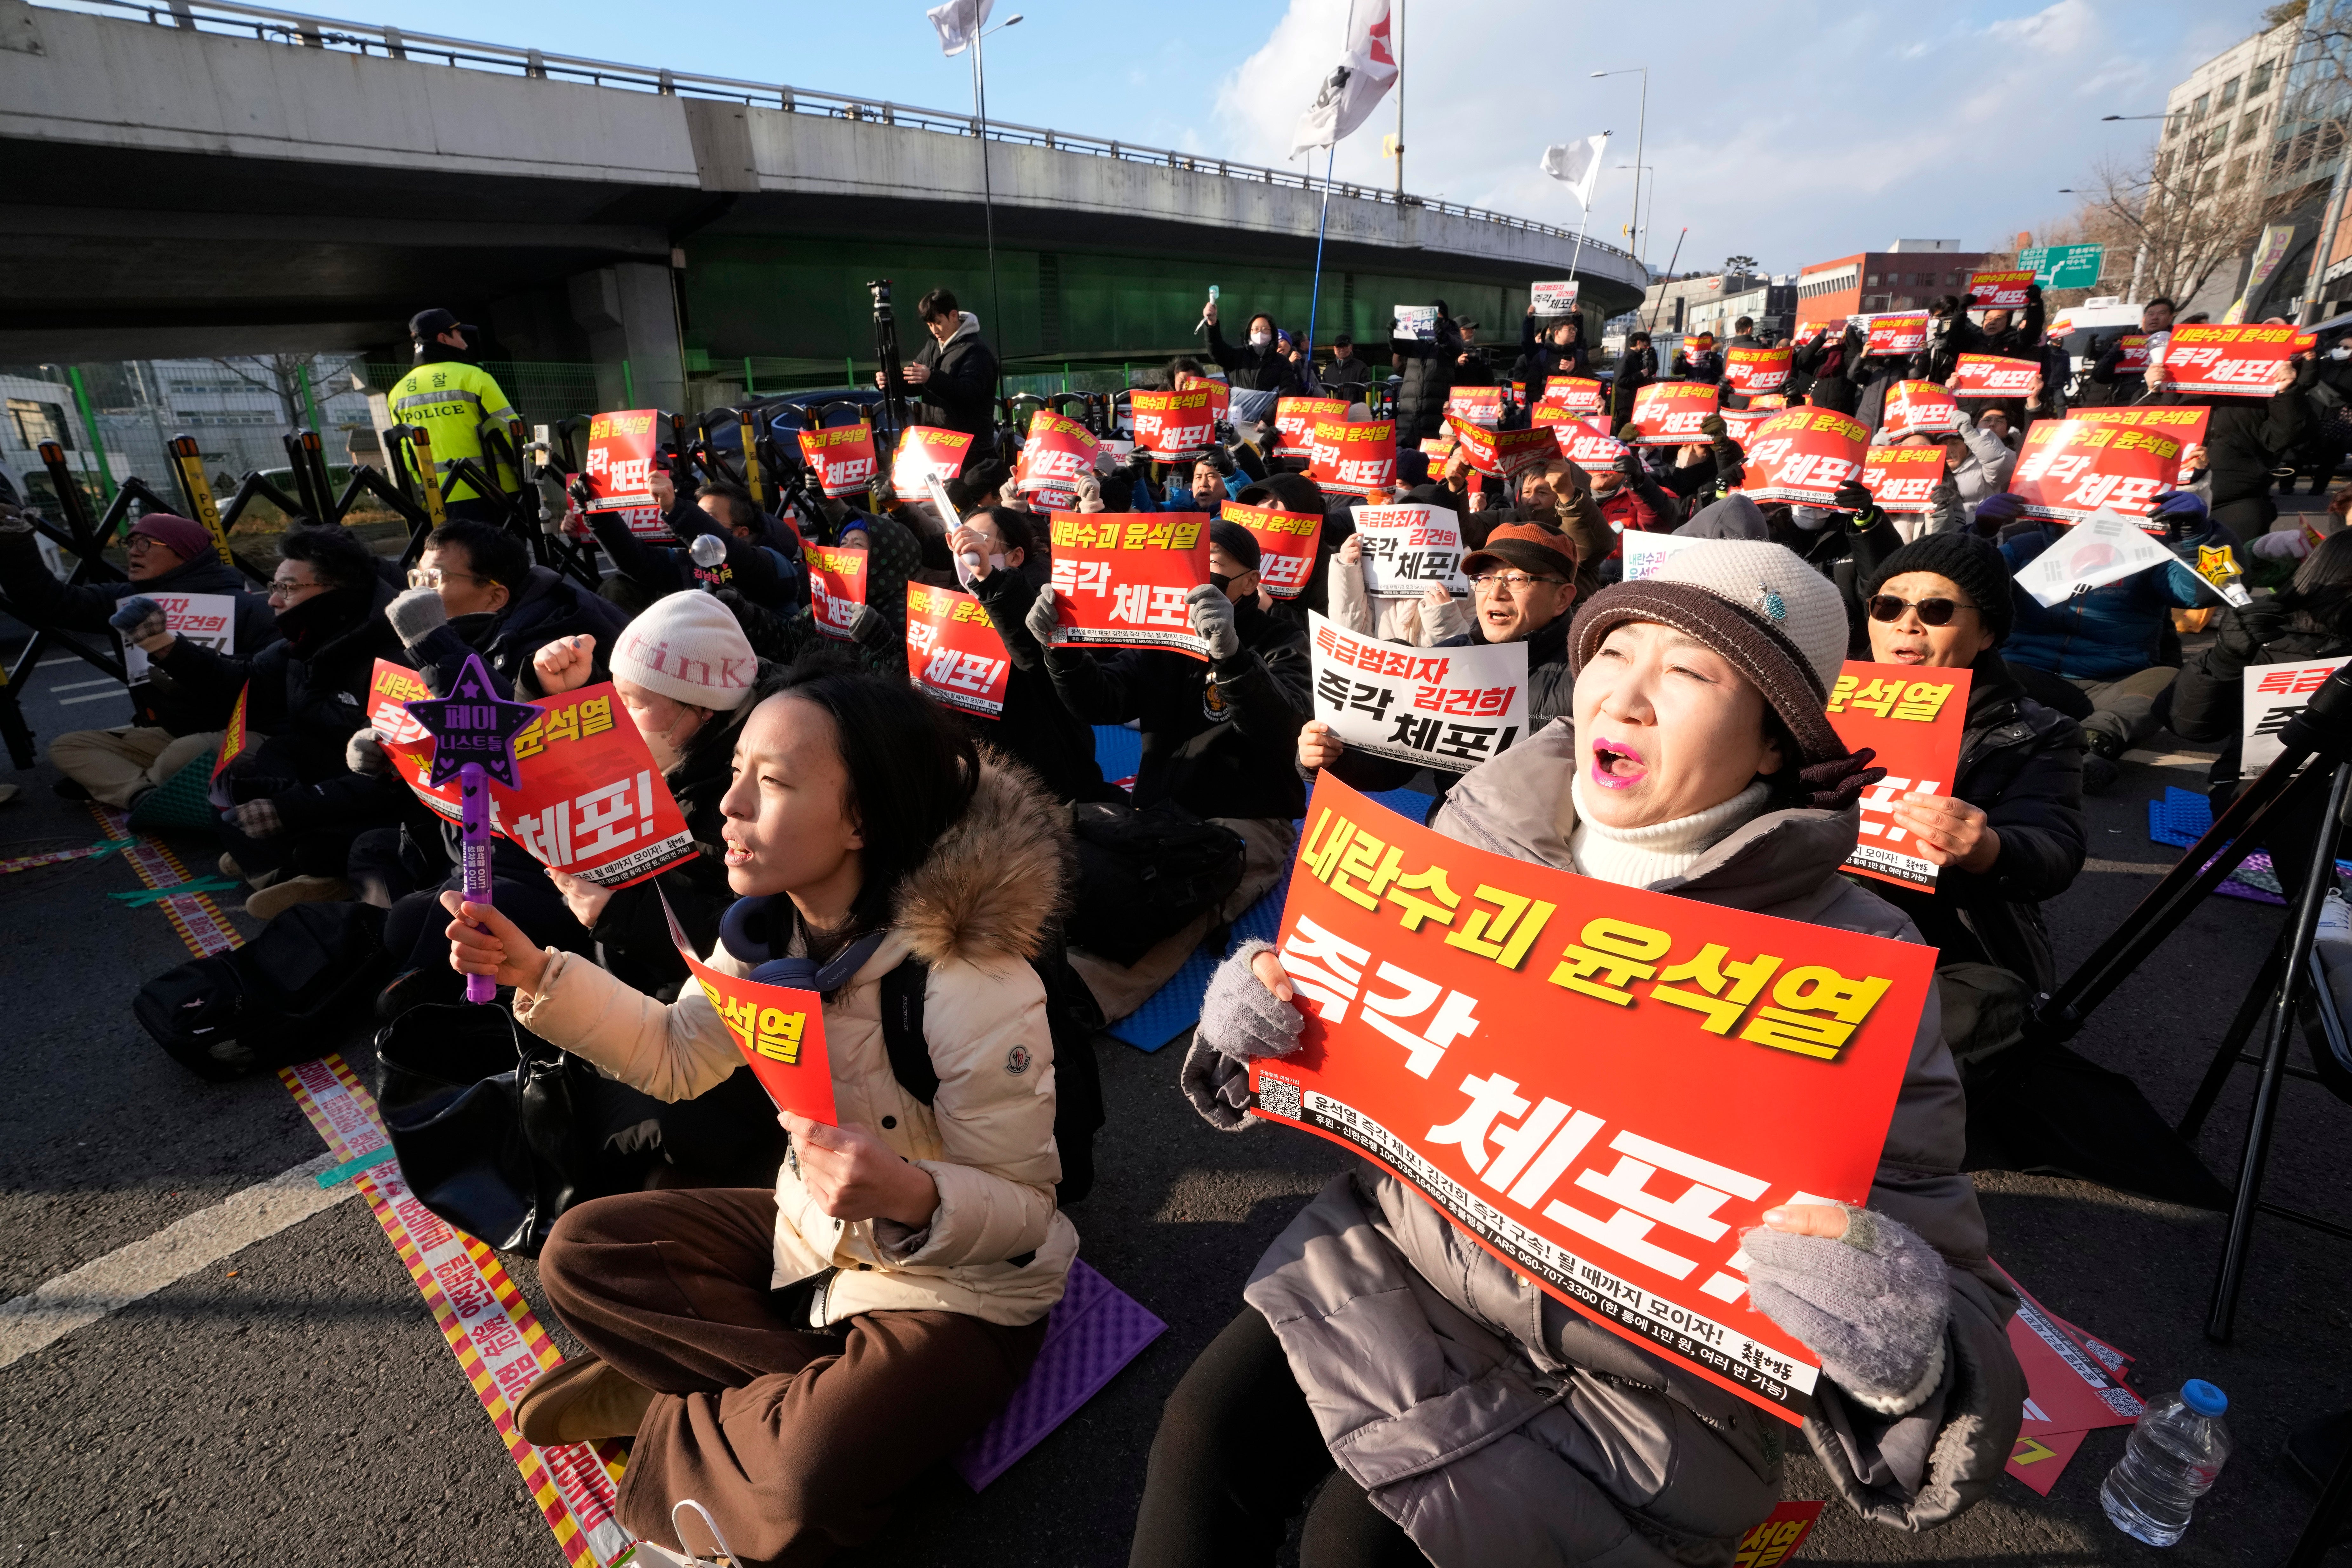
pixel 996 882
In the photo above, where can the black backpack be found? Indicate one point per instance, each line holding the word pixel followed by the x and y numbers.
pixel 1143 875
pixel 288 995
pixel 1073 1016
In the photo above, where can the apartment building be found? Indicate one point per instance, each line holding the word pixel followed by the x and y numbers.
pixel 1903 276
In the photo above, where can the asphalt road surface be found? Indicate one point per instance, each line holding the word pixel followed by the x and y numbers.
pixel 292 1401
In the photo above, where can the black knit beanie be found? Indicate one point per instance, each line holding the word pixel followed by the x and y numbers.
pixel 1971 562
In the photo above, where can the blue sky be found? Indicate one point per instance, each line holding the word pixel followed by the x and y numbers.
pixel 1897 120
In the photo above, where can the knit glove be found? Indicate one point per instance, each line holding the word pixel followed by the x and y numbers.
pixel 1212 621
pixel 365 755
pixel 141 620
pixel 1239 1020
pixel 1040 619
pixel 1713 425
pixel 1853 498
pixel 416 615
pixel 14 520
pixel 257 819
pixel 872 628
pixel 1871 1304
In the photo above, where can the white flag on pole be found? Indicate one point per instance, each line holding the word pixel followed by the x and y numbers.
pixel 1363 76
pixel 959 22
pixel 1578 164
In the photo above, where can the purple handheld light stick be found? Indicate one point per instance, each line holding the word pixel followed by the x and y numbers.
pixel 473 732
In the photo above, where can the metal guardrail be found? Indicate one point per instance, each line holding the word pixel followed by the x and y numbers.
pixel 270 24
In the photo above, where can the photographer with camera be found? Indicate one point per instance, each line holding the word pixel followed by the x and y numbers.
pixel 953 376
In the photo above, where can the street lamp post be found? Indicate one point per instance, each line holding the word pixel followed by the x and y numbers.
pixel 1641 127
pixel 987 188
pixel 1640 170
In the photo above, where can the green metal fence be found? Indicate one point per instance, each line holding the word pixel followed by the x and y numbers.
pixel 543 391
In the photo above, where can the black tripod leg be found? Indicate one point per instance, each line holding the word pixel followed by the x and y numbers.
pixel 2328 1520
pixel 2221 1318
pixel 2216 1076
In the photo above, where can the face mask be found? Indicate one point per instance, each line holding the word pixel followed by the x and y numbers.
pixel 964 569
pixel 666 749
pixel 1223 584
pixel 2341 351
pixel 1259 340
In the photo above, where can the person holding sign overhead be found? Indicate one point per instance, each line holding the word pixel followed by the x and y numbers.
pixel 1473 1418
pixel 792 1358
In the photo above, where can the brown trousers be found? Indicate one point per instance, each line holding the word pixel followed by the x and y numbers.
pixel 794 1440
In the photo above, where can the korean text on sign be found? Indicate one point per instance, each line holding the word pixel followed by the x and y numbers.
pixel 1506 454
pixel 1669 412
pixel 1353 459
pixel 1555 299
pixel 841 456
pixel 1476 405
pixel 1804 455
pixel 1750 371
pixel 1575 393
pixel 1409 548
pixel 2243 360
pixel 1120 579
pixel 1295 419
pixel 1920 409
pixel 926 453
pixel 2071 469
pixel 1904 332
pixel 1913 717
pixel 1448 709
pixel 1601 1085
pixel 953 652
pixel 206 618
pixel 837 587
pixel 779 1030
pixel 1287 542
pixel 1058 449
pixel 2274 694
pixel 620 464
pixel 1991 375
pixel 1584 443
pixel 1172 427
pixel 1999 290
pixel 1902 478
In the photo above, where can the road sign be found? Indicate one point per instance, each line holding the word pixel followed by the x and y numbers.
pixel 2064 265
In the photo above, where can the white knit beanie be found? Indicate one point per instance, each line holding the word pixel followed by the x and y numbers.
pixel 687 645
pixel 1781 622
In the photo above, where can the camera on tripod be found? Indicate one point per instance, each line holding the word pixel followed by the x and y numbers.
pixel 894 372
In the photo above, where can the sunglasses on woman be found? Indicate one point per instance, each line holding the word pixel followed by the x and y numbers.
pixel 1932 612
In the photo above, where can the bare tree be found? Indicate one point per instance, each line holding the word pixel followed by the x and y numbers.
pixel 281 375
pixel 2174 229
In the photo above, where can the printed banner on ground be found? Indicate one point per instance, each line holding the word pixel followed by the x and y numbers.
pixel 953 652
pixel 836 587
pixel 2274 694
pixel 1802 456
pixel 1449 709
pixel 1992 375
pixel 926 453
pixel 780 1031
pixel 1775 1542
pixel 2104 547
pixel 1410 548
pixel 1057 451
pixel 1912 716
pixel 2243 360
pixel 1573 394
pixel 1668 413
pixel 1476 404
pixel 1899 332
pixel 2000 290
pixel 1750 371
pixel 1295 419
pixel 1601 1085
pixel 2072 467
pixel 1505 453
pixel 1920 409
pixel 1353 459
pixel 206 618
pixel 1173 426
pixel 1287 542
pixel 1902 478
pixel 1553 299
pixel 842 458
pixel 620 464
pixel 1121 580
pixel 592 803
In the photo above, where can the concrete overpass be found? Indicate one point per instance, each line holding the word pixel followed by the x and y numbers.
pixel 207 177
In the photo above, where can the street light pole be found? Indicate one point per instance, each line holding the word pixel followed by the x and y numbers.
pixel 1639 169
pixel 1641 130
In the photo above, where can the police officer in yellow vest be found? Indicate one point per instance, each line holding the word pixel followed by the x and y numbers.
pixel 454 401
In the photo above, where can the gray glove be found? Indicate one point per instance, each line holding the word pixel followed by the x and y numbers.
pixel 257 819
pixel 365 755
pixel 1871 1304
pixel 14 520
pixel 140 619
pixel 1240 1019
pixel 1212 621
pixel 1040 619
pixel 870 628
pixel 414 614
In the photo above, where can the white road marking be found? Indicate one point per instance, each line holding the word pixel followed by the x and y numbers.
pixel 61 659
pixel 86 685
pixel 2197 762
pixel 128 1273
pixel 93 696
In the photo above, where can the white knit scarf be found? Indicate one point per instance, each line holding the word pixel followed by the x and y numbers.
pixel 1645 857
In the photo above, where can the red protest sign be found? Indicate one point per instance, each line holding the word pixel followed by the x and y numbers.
pixel 926 453
pixel 1295 419
pixel 1575 393
pixel 1904 332
pixel 2133 361
pixel 1287 542
pixel 1221 395
pixel 2070 1389
pixel 1750 371
pixel 780 1031
pixel 1741 423
pixel 1769 400
pixel 1350 460
pixel 1121 580
pixel 620 469
pixel 953 652
pixel 592 803
pixel 2070 468
pixel 2239 360
pixel 1919 408
pixel 1802 454
pixel 233 738
pixel 837 587
pixel 1776 1540
pixel 1834 326
pixel 1173 426
pixel 1902 478
pixel 646 523
pixel 1476 404
pixel 2000 290
pixel 1577 1074
pixel 1505 453
pixel 1912 716
pixel 1587 444
pixel 841 456
pixel 1668 413
pixel 1992 375
pixel 1057 451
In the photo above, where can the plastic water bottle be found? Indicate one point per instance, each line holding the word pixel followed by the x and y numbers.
pixel 2176 1453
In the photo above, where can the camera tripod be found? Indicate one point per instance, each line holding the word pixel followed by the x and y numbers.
pixel 2321 736
pixel 894 370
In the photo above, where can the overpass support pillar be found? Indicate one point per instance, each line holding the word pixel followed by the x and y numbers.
pixel 629 313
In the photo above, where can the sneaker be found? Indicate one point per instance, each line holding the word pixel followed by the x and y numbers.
pixel 229 867
pixel 582 1401
pixel 2099 773
pixel 70 789
pixel 278 897
pixel 8 792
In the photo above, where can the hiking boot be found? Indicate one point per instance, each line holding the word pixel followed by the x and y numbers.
pixel 582 1401
pixel 2099 773
pixel 278 897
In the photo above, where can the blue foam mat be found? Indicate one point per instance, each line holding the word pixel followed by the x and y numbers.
pixel 1119 751
pixel 2183 817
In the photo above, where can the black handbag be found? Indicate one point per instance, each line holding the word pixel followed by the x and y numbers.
pixel 487 1121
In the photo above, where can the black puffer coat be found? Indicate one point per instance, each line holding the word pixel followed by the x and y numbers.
pixel 1036 729
pixel 1252 369
pixel 2245 437
pixel 2209 695
pixel 1425 371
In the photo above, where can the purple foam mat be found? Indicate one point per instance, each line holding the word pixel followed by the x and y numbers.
pixel 1094 1330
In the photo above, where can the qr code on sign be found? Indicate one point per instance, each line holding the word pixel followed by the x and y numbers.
pixel 1277 1096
